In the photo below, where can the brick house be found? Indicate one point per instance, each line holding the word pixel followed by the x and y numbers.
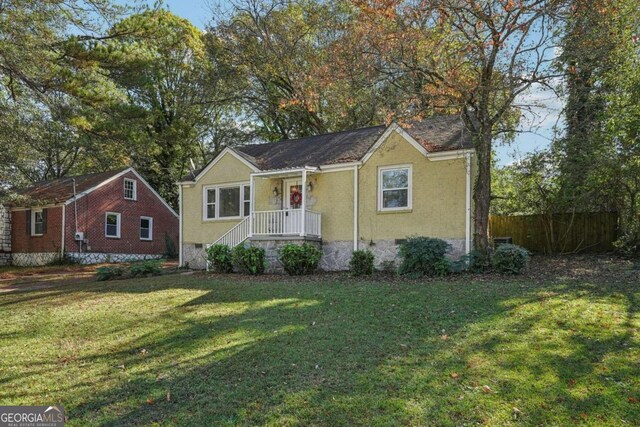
pixel 120 217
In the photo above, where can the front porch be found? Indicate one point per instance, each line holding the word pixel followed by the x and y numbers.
pixel 279 209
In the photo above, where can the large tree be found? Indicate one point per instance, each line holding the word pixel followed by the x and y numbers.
pixel 172 109
pixel 298 78
pixel 478 58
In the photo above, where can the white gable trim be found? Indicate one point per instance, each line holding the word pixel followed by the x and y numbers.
pixel 116 176
pixel 155 193
pixel 95 187
pixel 394 127
pixel 213 162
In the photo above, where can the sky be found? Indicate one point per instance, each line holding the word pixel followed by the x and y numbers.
pixel 536 126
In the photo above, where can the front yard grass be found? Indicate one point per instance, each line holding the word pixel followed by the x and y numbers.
pixel 224 350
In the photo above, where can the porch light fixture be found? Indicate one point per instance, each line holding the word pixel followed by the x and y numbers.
pixel 275 191
pixel 309 186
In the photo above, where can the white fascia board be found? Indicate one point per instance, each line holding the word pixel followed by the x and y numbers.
pixel 339 167
pixel 450 155
pixel 230 151
pixel 285 171
pixel 28 208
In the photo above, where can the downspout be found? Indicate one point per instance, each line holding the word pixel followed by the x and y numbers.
pixel 355 207
pixel 64 226
pixel 180 213
pixel 75 214
pixel 467 242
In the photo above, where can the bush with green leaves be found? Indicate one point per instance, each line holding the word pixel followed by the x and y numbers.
pixel 442 268
pixel 511 259
pixel 388 267
pixel 361 263
pixel 474 262
pixel 299 259
pixel 249 259
pixel 152 267
pixel 108 273
pixel 220 257
pixel 423 256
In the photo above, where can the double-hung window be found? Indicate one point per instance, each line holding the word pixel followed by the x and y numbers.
pixel 38 221
pixel 146 228
pixel 130 189
pixel 112 225
pixel 226 201
pixel 394 188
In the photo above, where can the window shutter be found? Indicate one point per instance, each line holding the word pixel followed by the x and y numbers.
pixel 28 221
pixel 44 221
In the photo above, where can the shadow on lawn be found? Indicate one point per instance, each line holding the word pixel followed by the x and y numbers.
pixel 336 355
pixel 366 354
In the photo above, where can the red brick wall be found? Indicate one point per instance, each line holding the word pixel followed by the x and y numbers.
pixel 110 198
pixel 22 241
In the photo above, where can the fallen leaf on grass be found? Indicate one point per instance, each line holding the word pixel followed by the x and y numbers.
pixel 149 401
pixel 486 389
pixel 632 399
pixel 454 375
pixel 445 337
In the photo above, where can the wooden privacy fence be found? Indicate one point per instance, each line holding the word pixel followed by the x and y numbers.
pixel 559 233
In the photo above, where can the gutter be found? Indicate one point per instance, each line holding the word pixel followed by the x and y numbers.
pixel 180 260
pixel 355 207
pixel 64 226
pixel 467 240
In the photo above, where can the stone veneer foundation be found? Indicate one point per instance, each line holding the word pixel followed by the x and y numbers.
pixel 32 259
pixel 335 255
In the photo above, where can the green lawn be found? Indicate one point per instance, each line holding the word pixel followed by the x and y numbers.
pixel 207 350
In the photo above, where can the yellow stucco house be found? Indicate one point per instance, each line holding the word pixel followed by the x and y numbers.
pixel 367 188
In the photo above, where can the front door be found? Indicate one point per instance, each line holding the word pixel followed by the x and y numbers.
pixel 292 202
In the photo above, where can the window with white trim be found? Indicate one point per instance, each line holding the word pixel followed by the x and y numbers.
pixel 146 228
pixel 226 201
pixel 37 222
pixel 130 189
pixel 112 225
pixel 394 188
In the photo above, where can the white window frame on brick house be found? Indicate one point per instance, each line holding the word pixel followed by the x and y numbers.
pixel 133 189
pixel 409 188
pixel 34 215
pixel 150 219
pixel 216 203
pixel 118 225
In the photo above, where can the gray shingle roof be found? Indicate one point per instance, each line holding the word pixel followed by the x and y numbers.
pixel 60 190
pixel 440 133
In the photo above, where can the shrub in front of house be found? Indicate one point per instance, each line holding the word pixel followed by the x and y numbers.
pixel 249 259
pixel 108 273
pixel 361 263
pixel 299 259
pixel 423 256
pixel 510 259
pixel 152 267
pixel 220 257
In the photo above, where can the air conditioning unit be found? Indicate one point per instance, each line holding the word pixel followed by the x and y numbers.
pixel 79 236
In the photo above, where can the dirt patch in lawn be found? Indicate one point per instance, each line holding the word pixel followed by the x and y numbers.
pixel 34 278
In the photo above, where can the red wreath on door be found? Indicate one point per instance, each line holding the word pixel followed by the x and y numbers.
pixel 295 198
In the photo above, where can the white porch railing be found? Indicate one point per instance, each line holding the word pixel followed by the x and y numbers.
pixel 286 223
pixel 238 234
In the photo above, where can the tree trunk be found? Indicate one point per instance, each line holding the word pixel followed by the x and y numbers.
pixel 482 192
